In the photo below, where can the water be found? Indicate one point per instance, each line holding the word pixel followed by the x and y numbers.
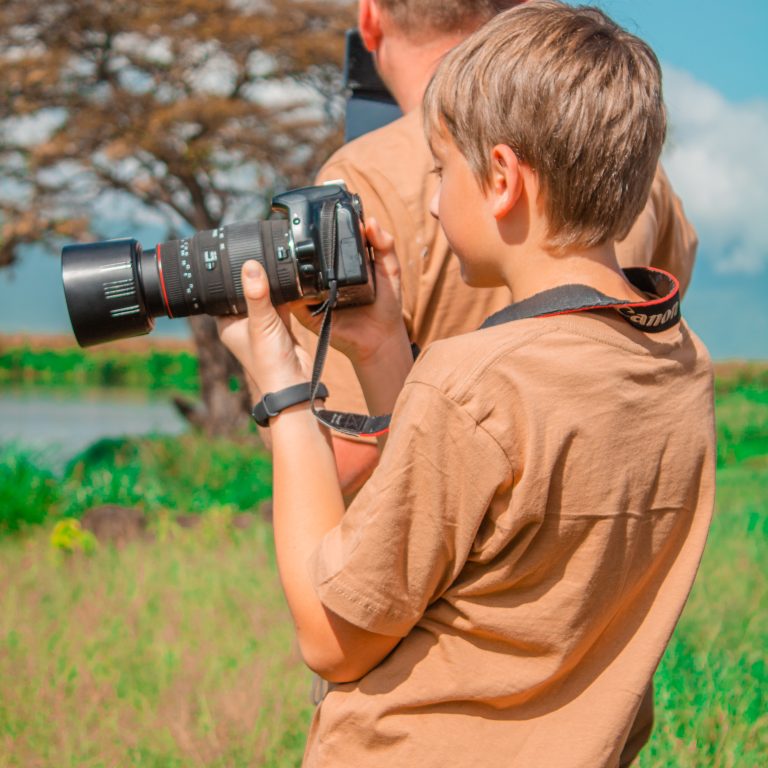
pixel 64 424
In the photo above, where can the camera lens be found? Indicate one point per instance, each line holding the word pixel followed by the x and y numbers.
pixel 114 289
pixel 104 292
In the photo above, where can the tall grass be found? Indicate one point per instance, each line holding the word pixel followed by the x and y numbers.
pixel 175 653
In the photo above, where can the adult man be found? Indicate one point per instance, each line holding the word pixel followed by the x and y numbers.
pixel 390 170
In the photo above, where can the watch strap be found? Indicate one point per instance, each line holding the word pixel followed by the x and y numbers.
pixel 274 402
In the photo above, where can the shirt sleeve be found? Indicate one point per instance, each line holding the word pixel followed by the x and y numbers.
pixel 409 532
pixel 662 236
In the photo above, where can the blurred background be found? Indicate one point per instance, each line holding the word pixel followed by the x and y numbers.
pixel 141 621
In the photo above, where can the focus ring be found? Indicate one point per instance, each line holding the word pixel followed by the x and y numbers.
pixel 170 268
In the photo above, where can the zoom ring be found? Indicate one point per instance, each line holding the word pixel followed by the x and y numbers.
pixel 243 243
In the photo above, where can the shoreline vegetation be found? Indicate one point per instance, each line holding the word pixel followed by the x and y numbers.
pixel 161 364
pixel 145 363
pixel 176 649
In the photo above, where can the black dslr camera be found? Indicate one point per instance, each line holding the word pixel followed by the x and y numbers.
pixel 115 289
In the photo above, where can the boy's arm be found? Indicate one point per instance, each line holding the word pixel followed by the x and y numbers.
pixel 307 497
pixel 355 459
pixel 308 504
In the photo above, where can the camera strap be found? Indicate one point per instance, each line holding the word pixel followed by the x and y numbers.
pixel 660 312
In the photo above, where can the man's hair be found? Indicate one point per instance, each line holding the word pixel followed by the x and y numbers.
pixel 575 96
pixel 443 16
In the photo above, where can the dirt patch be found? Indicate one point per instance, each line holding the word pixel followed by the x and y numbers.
pixel 116 525
pixel 67 341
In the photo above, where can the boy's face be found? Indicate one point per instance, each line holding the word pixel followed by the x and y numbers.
pixel 462 208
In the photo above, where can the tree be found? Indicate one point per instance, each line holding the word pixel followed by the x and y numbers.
pixel 193 111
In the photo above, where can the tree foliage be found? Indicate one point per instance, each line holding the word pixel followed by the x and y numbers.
pixel 188 113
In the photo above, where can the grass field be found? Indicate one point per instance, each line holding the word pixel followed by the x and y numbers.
pixel 179 652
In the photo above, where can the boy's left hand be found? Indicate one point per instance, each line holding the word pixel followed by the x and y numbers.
pixel 364 332
pixel 262 342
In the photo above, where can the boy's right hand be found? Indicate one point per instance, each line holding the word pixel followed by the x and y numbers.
pixel 363 333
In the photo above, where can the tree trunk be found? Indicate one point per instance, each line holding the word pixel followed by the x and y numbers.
pixel 226 404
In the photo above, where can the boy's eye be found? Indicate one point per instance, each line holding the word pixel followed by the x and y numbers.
pixel 438 171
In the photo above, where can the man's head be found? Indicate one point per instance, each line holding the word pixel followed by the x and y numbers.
pixel 577 99
pixel 448 17
pixel 408 37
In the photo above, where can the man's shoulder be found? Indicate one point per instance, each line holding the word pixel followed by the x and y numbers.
pixel 392 149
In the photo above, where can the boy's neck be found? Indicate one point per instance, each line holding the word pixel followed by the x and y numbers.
pixel 539 270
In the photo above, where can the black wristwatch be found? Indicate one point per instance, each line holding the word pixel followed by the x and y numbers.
pixel 274 402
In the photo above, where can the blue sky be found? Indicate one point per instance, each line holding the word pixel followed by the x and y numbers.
pixel 715 60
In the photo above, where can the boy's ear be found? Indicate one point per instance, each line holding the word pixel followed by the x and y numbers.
pixel 369 24
pixel 506 184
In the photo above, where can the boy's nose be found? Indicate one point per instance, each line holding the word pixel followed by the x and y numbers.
pixel 435 203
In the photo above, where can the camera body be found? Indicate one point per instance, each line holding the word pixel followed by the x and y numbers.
pixel 115 289
pixel 348 262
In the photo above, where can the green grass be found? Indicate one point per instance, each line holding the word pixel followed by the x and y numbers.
pixel 187 473
pixel 153 370
pixel 712 686
pixel 28 492
pixel 180 652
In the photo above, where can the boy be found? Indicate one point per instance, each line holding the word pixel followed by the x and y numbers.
pixel 389 169
pixel 503 587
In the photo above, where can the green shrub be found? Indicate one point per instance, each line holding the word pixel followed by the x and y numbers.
pixel 28 491
pixel 155 370
pixel 187 473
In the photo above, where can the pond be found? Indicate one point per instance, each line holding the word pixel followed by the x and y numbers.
pixel 65 423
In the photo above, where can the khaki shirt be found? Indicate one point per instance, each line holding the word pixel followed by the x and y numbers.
pixel 532 533
pixel 390 170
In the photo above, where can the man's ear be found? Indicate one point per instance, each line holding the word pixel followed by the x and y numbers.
pixel 369 24
pixel 506 182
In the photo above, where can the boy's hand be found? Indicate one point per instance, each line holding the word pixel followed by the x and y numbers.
pixel 262 342
pixel 361 333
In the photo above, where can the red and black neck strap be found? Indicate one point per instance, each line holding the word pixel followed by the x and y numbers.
pixel 659 313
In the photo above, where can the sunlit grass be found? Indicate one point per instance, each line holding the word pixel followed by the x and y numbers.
pixel 712 686
pixel 174 653
pixel 184 474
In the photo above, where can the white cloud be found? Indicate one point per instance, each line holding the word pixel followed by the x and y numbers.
pixel 717 158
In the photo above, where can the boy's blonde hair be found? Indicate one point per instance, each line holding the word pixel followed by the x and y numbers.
pixel 575 96
pixel 444 16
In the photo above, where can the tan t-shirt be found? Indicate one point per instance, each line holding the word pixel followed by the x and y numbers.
pixel 390 170
pixel 531 532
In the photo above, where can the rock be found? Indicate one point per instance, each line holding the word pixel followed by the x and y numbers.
pixel 243 521
pixel 265 510
pixel 115 525
pixel 188 521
